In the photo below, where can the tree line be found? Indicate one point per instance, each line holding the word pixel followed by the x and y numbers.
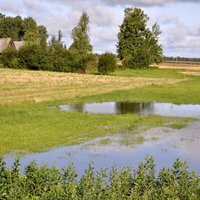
pixel 138 45
pixel 38 54
pixel 178 58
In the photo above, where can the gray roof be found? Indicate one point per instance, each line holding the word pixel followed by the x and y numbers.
pixel 18 44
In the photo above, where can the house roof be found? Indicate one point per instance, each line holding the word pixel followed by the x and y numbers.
pixel 4 43
pixel 18 44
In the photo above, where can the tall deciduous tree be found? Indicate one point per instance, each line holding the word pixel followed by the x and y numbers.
pixel 31 31
pixel 138 45
pixel 81 41
pixel 11 27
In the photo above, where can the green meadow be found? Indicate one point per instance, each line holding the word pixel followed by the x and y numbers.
pixel 33 126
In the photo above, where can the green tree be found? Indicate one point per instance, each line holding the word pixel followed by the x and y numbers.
pixel 43 35
pixel 107 63
pixel 81 49
pixel 9 57
pixel 11 27
pixel 156 51
pixel 31 31
pixel 22 29
pixel 59 57
pixel 138 45
pixel 33 57
pixel 81 41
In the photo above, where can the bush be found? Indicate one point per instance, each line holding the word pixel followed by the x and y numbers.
pixel 82 63
pixel 33 57
pixel 107 63
pixel 50 183
pixel 7 57
pixel 56 58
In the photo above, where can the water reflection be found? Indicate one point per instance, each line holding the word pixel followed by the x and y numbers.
pixel 143 108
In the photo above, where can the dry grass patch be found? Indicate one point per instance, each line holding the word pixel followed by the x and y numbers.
pixel 191 73
pixel 192 67
pixel 17 86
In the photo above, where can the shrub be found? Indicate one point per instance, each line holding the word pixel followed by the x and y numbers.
pixel 107 63
pixel 33 57
pixel 7 57
pixel 82 63
pixel 50 183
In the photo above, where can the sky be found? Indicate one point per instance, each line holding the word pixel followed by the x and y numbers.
pixel 179 20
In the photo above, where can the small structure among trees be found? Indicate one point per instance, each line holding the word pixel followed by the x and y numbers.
pixel 6 43
pixel 9 43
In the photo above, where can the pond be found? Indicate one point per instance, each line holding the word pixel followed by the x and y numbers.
pixel 143 108
pixel 165 144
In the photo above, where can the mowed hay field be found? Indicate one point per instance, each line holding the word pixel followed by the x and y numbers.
pixel 19 86
pixel 190 66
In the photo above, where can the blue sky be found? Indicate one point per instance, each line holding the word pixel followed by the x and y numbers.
pixel 179 20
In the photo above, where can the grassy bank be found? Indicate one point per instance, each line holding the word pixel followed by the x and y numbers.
pixel 27 124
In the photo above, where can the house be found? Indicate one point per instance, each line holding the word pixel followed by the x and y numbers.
pixel 18 44
pixel 6 43
pixel 9 43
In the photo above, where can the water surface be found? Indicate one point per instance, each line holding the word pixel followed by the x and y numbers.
pixel 143 108
pixel 169 145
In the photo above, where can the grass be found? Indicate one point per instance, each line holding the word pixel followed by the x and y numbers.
pixel 21 86
pixel 105 141
pixel 186 92
pixel 152 72
pixel 177 126
pixel 132 141
pixel 27 122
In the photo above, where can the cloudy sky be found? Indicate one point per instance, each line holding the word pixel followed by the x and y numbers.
pixel 179 20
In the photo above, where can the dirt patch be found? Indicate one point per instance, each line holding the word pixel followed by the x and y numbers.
pixel 17 86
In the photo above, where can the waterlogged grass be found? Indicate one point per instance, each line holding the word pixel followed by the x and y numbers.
pixel 177 126
pixel 131 141
pixel 36 127
pixel 105 141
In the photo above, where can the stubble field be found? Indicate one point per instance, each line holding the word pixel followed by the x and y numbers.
pixel 19 86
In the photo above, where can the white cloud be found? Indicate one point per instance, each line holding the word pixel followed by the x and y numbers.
pixel 146 2
pixel 179 38
pixel 10 6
